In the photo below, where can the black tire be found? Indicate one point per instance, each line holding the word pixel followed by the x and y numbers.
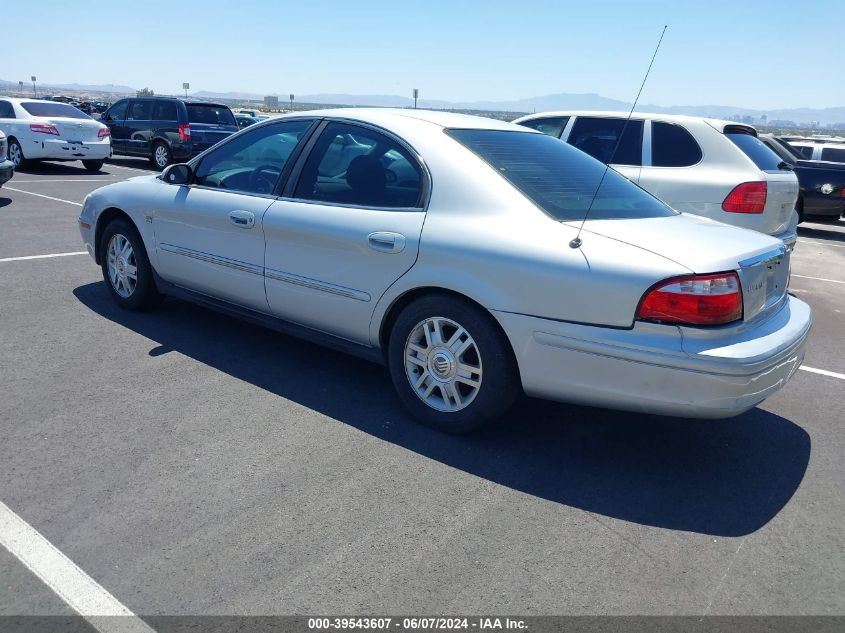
pixel 144 295
pixel 499 385
pixel 93 165
pixel 161 155
pixel 800 208
pixel 19 159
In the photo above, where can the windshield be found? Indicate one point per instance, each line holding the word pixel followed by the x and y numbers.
pixel 559 178
pixel 210 113
pixel 39 108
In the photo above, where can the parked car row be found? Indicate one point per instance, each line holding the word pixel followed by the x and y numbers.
pixel 451 249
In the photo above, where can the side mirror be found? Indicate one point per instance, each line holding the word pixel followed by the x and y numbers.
pixel 179 174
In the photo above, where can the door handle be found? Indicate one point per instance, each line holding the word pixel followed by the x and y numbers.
pixel 243 219
pixel 386 242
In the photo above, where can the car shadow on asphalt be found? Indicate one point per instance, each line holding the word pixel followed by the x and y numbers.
pixel 718 477
pixel 820 232
pixel 5 202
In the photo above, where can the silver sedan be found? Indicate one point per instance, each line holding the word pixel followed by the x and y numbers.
pixel 450 248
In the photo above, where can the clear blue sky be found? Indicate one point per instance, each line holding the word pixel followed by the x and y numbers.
pixel 750 53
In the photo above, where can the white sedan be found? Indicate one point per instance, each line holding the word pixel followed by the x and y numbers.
pixel 48 130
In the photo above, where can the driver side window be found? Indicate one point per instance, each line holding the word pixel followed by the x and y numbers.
pixel 253 162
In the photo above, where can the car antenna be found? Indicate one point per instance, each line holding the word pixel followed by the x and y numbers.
pixel 576 243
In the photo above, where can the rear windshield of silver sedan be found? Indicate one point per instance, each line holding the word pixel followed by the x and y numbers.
pixel 36 108
pixel 559 178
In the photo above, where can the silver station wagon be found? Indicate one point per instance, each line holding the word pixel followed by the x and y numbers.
pixel 444 246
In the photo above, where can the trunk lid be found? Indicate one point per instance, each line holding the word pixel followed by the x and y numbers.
pixel 706 246
pixel 74 130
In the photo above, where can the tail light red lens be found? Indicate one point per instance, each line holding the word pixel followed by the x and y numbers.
pixel 697 300
pixel 184 132
pixel 749 197
pixel 44 128
pixel 103 132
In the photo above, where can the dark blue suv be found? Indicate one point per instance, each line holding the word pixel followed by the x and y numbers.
pixel 167 129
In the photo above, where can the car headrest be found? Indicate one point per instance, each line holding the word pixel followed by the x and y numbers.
pixel 366 175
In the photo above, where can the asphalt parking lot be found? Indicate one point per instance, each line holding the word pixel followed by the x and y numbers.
pixel 194 464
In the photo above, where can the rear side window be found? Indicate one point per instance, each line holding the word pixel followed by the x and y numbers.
pixel 165 111
pixel 553 126
pixel 673 146
pixel 833 154
pixel 140 111
pixel 599 137
pixel 210 114
pixel 6 110
pixel 806 151
pixel 756 150
pixel 558 178
pixel 53 109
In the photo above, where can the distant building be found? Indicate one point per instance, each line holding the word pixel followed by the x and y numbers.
pixel 271 102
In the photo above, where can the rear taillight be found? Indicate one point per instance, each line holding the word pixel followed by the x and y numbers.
pixel 749 197
pixel 699 300
pixel 184 132
pixel 44 128
pixel 103 132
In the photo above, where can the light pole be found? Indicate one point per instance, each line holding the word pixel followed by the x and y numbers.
pixel 416 94
pixel 33 86
pixel 20 87
pixel 291 102
pixel 185 87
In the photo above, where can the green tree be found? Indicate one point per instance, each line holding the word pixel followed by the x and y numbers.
pixel 146 92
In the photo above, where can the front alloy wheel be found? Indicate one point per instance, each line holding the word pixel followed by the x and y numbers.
pixel 122 266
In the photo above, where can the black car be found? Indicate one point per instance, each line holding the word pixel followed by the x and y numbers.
pixel 244 120
pixel 167 129
pixel 821 184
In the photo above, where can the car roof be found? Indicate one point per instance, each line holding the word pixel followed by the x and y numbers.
pixel 385 116
pixel 28 100
pixel 719 124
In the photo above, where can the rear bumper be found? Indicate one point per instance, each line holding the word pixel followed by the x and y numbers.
pixel 7 170
pixel 827 207
pixel 660 369
pixel 58 149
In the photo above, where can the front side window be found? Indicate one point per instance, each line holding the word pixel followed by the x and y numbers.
pixel 53 109
pixel 600 138
pixel 117 112
pixel 673 146
pixel 252 162
pixel 6 110
pixel 558 178
pixel 140 111
pixel 359 166
pixel 833 154
pixel 553 126
pixel 165 111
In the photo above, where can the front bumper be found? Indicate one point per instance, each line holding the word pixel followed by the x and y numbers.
pixel 59 149
pixel 660 369
pixel 7 170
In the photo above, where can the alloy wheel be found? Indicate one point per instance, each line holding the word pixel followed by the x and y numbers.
pixel 443 364
pixel 15 154
pixel 161 157
pixel 123 268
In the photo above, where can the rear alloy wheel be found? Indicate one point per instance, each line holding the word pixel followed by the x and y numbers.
pixel 162 155
pixel 93 165
pixel 16 153
pixel 126 268
pixel 451 365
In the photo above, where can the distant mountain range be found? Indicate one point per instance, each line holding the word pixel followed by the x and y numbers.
pixel 562 101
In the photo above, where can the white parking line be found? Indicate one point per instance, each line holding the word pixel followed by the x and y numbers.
pixel 803 241
pixel 24 258
pixel 833 281
pixel 147 171
pixel 19 181
pixel 823 372
pixel 41 195
pixel 79 591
